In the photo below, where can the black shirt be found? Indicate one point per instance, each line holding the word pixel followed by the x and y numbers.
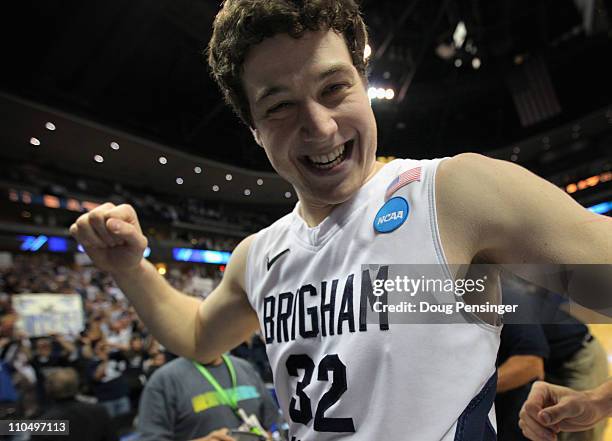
pixel 88 422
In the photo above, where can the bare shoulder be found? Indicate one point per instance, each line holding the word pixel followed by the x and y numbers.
pixel 506 213
pixel 469 169
pixel 458 204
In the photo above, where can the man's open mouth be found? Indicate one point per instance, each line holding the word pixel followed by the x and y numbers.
pixel 324 162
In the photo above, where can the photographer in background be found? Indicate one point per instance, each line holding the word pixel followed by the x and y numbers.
pixel 184 400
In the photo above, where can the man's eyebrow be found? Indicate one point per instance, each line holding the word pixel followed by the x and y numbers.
pixel 330 71
pixel 334 69
pixel 269 91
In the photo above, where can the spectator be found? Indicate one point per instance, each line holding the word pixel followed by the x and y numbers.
pixel 564 353
pixel 157 360
pixel 135 377
pixel 180 403
pixel 520 362
pixel 49 354
pixel 87 422
pixel 108 380
pixel 31 360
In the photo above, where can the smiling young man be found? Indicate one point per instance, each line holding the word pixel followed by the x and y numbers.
pixel 294 73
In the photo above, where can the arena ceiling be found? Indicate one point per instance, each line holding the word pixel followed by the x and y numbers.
pixel 133 73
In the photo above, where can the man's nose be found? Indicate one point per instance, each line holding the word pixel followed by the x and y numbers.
pixel 317 123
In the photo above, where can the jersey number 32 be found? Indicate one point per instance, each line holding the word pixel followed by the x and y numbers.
pixel 329 363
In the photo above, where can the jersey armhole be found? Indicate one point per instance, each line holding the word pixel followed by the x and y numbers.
pixel 437 241
pixel 433 217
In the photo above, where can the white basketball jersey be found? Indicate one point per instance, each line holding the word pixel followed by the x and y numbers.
pixel 338 377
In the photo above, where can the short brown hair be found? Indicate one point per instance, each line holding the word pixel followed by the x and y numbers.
pixel 241 24
pixel 62 383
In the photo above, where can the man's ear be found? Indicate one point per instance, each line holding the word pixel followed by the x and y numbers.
pixel 256 136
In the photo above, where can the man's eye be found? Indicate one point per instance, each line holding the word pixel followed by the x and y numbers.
pixel 278 107
pixel 335 88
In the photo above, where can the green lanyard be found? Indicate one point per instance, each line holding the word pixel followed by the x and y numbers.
pixel 229 400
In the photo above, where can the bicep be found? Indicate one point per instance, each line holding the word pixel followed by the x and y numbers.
pixel 225 318
pixel 514 216
pixel 545 225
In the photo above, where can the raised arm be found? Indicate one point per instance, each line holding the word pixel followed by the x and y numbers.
pixel 198 330
pixel 503 213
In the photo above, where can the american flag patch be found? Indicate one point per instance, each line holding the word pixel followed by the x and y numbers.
pixel 412 175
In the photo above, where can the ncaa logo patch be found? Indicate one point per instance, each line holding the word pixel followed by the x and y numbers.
pixel 392 215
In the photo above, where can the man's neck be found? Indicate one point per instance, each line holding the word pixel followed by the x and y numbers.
pixel 313 213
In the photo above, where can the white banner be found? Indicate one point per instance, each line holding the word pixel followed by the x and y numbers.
pixel 45 314
pixel 200 286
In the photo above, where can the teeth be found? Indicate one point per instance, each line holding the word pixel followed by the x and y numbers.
pixel 326 161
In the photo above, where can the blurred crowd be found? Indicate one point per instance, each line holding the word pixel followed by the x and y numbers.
pixel 172 215
pixel 114 355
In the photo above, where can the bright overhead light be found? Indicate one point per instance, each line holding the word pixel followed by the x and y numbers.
pixel 380 93
pixel 260 181
pixel 288 194
pixel 476 63
pixel 367 52
pixel 98 158
pixel 228 177
pixel 50 126
pixel 215 188
pixel 247 192
pixel 198 170
pixel 179 181
pixel 34 141
pixel 458 62
pixel 163 160
pixel 459 34
pixel 114 145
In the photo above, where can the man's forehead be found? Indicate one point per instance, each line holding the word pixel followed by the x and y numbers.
pixel 279 59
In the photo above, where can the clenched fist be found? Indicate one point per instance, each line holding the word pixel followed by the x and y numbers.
pixel 111 236
pixel 550 409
